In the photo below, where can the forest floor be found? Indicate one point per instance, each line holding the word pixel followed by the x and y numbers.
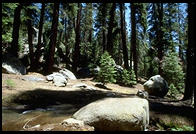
pixel 164 113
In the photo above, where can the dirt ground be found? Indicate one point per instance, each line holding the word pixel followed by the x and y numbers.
pixel 162 111
pixel 22 85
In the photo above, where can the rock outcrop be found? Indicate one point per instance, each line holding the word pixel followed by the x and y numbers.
pixel 115 114
pixel 68 74
pixel 156 86
pixel 12 65
pixel 60 78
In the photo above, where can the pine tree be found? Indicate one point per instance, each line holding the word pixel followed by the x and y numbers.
pixel 107 71
pixel 128 78
pixel 7 22
pixel 110 30
pixel 77 39
pixel 86 33
pixel 172 71
pixel 190 72
pixel 70 11
pixel 123 33
pixel 133 80
pixel 156 34
pixel 101 18
pixel 38 52
pixel 181 30
pixel 30 34
pixel 15 33
pixel 138 21
pixel 133 53
pixel 53 38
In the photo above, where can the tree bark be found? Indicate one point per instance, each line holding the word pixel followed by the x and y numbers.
pixel 76 55
pixel 91 23
pixel 133 39
pixel 123 33
pixel 15 33
pixel 190 72
pixel 160 37
pixel 38 52
pixel 30 37
pixel 53 38
pixel 104 41
pixel 110 28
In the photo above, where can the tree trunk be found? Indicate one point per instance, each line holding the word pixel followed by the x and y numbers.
pixel 110 28
pixel 76 55
pixel 104 41
pixel 91 23
pixel 123 33
pixel 160 37
pixel 53 38
pixel 190 72
pixel 15 33
pixel 30 37
pixel 38 52
pixel 133 39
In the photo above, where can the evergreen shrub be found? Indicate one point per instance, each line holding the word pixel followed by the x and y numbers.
pixel 173 72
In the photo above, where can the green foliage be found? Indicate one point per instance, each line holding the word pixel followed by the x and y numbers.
pixel 128 77
pixel 7 21
pixel 133 78
pixel 172 91
pixel 10 83
pixel 183 128
pixel 172 71
pixel 107 71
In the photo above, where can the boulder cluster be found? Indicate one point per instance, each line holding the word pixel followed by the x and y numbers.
pixel 60 78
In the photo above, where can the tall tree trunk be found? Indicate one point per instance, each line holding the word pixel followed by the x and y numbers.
pixel 38 52
pixel 190 72
pixel 110 29
pixel 104 41
pixel 15 33
pixel 160 36
pixel 180 53
pixel 91 23
pixel 30 37
pixel 123 33
pixel 76 55
pixel 133 39
pixel 53 38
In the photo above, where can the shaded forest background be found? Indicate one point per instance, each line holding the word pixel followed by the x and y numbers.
pixel 75 35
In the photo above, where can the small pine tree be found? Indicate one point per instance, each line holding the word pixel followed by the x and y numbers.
pixel 172 90
pixel 173 72
pixel 107 69
pixel 128 78
pixel 133 78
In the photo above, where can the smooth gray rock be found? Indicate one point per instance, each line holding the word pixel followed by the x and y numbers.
pixel 12 65
pixel 116 114
pixel 68 74
pixel 32 78
pixel 156 86
pixel 77 124
pixel 51 76
pixel 59 81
